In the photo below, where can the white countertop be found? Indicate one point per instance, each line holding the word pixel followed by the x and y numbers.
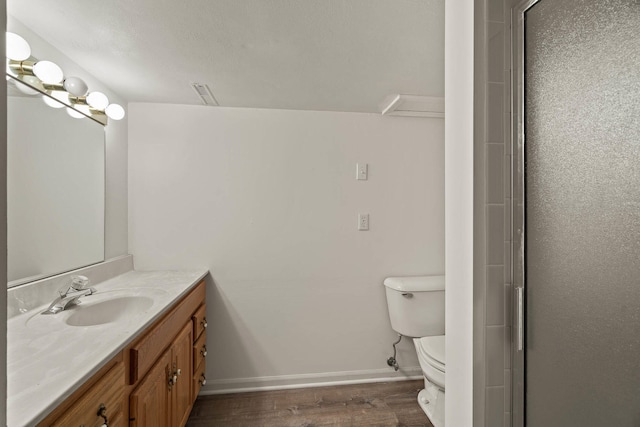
pixel 47 360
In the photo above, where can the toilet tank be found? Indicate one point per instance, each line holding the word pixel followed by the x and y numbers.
pixel 416 305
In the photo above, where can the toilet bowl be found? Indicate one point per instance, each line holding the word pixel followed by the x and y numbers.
pixel 431 356
pixel 416 309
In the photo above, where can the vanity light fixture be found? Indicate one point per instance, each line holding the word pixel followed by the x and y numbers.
pixel 47 77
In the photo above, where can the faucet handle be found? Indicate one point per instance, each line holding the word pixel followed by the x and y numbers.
pixel 79 282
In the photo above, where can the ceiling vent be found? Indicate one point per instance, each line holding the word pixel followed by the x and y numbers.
pixel 205 95
pixel 413 106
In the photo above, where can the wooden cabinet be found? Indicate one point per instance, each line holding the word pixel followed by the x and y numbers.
pixel 152 380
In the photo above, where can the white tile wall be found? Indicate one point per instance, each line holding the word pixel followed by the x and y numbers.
pixel 494 303
pixel 495 173
pixel 495 234
pixel 495 413
pixel 495 356
pixel 497 161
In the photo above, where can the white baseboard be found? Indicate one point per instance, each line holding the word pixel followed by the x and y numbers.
pixel 282 382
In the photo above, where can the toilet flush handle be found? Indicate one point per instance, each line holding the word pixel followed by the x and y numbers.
pixel 407 295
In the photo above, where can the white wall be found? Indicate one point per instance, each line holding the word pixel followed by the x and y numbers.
pixel 459 27
pixel 116 141
pixel 268 201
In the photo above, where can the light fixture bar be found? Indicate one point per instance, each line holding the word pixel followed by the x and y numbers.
pixel 48 78
pixel 22 67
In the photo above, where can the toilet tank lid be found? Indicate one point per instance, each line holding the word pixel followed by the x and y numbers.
pixel 415 283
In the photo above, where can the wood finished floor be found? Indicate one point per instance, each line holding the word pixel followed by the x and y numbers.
pixel 378 404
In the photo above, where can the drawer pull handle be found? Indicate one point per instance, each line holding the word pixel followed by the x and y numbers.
pixel 202 380
pixel 204 323
pixel 203 352
pixel 102 412
pixel 173 378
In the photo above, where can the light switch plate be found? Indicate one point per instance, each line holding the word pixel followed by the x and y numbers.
pixel 362 171
pixel 363 222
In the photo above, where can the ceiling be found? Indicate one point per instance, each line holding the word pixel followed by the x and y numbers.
pixel 334 55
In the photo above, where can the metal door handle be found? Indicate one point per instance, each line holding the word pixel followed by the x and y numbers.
pixel 520 318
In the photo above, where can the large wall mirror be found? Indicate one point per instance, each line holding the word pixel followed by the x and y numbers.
pixel 55 186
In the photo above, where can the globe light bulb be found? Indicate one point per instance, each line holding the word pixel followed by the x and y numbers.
pixel 48 72
pixel 61 96
pixel 115 112
pixel 26 89
pixel 97 100
pixel 75 114
pixel 51 102
pixel 83 109
pixel 75 86
pixel 17 48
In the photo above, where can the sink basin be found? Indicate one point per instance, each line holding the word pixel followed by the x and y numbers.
pixel 107 311
pixel 103 307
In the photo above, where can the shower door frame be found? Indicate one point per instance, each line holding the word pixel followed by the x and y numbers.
pixel 518 212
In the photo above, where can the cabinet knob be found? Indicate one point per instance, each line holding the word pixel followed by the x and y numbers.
pixel 204 323
pixel 179 372
pixel 203 352
pixel 202 380
pixel 173 379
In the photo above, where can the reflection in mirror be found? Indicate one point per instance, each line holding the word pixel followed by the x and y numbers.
pixel 55 186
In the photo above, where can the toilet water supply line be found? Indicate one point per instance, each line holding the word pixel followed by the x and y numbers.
pixel 392 360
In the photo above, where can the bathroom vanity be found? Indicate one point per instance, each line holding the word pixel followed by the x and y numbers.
pixel 132 351
pixel 131 354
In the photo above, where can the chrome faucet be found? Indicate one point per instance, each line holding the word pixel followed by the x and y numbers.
pixel 70 295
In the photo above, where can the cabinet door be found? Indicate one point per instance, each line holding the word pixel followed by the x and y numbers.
pixel 149 402
pixel 182 366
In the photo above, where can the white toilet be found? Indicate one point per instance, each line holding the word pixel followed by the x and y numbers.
pixel 416 309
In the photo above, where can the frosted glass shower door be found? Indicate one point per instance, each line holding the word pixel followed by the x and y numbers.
pixel 579 162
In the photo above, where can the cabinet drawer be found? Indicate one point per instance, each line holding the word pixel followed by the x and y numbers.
pixel 108 391
pixel 199 321
pixel 199 351
pixel 199 379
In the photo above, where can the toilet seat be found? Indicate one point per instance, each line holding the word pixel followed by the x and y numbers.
pixel 432 348
pixel 431 356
